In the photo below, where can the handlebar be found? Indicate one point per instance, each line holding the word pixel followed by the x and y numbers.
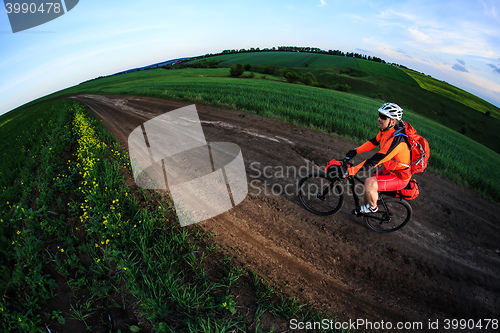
pixel 347 161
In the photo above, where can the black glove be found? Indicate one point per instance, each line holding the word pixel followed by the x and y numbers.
pixel 351 153
pixel 338 171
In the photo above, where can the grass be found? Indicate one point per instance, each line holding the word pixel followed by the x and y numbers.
pixel 287 59
pixel 385 70
pixel 445 89
pixel 439 101
pixel 30 142
pixel 68 221
pixel 453 155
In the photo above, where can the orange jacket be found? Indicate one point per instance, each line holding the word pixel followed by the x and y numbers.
pixel 394 154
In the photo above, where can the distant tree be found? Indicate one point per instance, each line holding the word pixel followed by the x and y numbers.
pixel 309 79
pixel 236 70
pixel 342 87
pixel 292 77
pixel 248 67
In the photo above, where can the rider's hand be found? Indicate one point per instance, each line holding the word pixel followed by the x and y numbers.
pixel 351 153
pixel 340 171
pixel 331 163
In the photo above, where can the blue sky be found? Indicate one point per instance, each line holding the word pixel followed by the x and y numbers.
pixel 457 41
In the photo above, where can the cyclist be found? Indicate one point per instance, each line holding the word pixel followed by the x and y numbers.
pixel 394 155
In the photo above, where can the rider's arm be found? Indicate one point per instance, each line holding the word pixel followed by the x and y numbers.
pixel 385 154
pixel 370 144
pixel 367 146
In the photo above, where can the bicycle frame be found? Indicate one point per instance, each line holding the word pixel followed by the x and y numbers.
pixel 351 181
pixel 352 184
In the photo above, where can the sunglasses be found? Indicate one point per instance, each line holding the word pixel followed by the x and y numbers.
pixel 382 116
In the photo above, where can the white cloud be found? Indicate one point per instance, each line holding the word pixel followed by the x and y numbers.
pixel 482 87
pixel 322 3
pixel 386 49
pixel 391 13
pixel 419 36
pixel 425 29
pixel 489 9
pixel 471 80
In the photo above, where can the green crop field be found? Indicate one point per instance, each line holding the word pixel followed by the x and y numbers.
pixel 70 227
pixel 439 101
pixel 454 93
pixel 453 155
pixel 385 70
pixel 287 59
pixel 78 245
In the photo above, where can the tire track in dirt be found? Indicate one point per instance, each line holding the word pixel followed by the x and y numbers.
pixel 444 264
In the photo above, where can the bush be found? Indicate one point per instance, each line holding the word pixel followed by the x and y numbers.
pixel 309 79
pixel 236 70
pixel 269 69
pixel 342 87
pixel 292 77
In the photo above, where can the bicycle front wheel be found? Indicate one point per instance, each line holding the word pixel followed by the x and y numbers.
pixel 392 215
pixel 320 195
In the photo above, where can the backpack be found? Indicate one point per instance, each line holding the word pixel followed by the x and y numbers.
pixel 419 148
pixel 410 192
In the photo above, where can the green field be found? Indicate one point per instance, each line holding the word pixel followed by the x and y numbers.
pixel 385 70
pixel 312 60
pixel 287 59
pixel 439 101
pixel 455 156
pixel 70 228
pixel 78 246
pixel 447 90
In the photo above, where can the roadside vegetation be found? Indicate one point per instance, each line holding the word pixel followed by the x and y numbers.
pixel 81 251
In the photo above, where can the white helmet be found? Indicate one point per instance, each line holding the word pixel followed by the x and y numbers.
pixel 391 110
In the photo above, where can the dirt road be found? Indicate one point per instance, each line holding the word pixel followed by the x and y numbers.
pixel 444 264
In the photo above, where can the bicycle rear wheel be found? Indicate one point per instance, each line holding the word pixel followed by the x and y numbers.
pixel 319 194
pixel 392 215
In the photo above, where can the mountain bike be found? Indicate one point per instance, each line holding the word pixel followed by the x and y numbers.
pixel 323 195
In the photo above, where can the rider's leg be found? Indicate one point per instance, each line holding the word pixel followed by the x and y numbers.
pixel 382 181
pixel 371 191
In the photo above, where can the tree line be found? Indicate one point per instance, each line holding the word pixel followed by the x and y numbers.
pixel 300 49
pixel 289 49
